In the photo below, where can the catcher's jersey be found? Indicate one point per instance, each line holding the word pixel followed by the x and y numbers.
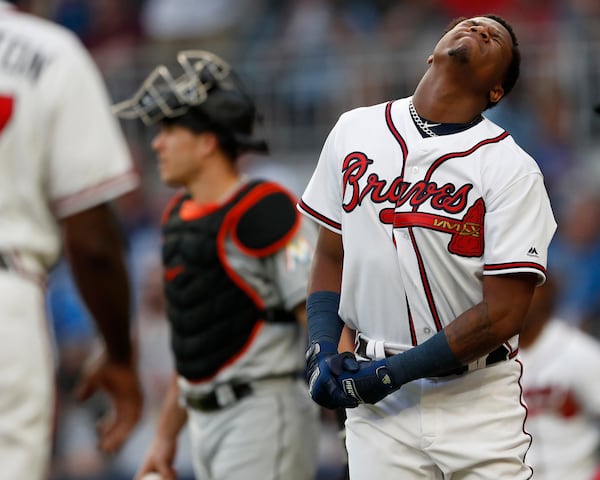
pixel 561 388
pixel 423 219
pixel 61 150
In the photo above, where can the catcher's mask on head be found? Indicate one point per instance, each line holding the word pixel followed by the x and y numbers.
pixel 206 96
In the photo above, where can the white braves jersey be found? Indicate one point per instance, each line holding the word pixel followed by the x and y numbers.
pixel 423 219
pixel 561 373
pixel 61 149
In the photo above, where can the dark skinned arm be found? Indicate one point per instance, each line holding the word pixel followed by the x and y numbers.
pixel 498 317
pixel 326 272
pixel 474 333
pixel 94 248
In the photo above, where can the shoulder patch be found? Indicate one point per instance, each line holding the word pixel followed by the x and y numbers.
pixel 267 220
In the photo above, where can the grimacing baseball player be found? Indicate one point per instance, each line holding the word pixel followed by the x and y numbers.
pixel 236 256
pixel 434 229
pixel 62 160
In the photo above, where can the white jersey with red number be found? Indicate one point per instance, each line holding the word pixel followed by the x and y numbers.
pixel 423 219
pixel 561 373
pixel 61 150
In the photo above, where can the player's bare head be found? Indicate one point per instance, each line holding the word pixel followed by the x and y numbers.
pixel 206 96
pixel 497 58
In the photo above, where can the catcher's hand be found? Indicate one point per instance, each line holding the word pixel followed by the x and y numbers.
pixel 324 363
pixel 366 381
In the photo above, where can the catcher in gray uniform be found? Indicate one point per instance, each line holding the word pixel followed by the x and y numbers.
pixel 236 256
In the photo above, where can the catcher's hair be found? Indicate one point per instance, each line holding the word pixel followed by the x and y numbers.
pixel 514 68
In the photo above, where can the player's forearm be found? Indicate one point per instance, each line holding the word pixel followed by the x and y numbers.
pixel 495 320
pixel 473 334
pixel 172 416
pixel 326 273
pixel 95 250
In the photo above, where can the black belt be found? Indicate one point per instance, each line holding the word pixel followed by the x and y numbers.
pixel 211 401
pixel 498 355
pixel 227 394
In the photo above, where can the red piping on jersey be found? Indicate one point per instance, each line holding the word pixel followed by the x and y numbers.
pixel 524 405
pixel 426 286
pixel 244 205
pixel 411 324
pixel 313 213
pixel 508 266
pixel 466 153
pixel 396 134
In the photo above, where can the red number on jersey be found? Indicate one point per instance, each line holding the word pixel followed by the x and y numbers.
pixel 6 110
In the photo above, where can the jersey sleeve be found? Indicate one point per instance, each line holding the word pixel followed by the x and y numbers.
pixel 322 198
pixel 519 225
pixel 89 161
pixel 290 266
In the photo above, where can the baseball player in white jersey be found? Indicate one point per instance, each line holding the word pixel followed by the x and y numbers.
pixel 561 368
pixel 62 157
pixel 434 227
pixel 236 256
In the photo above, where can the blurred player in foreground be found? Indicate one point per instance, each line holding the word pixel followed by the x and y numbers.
pixel 561 372
pixel 62 159
pixel 236 257
pixel 434 232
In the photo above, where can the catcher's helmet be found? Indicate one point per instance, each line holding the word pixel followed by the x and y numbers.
pixel 206 96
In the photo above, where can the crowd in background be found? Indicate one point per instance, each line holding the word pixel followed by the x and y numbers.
pixel 307 61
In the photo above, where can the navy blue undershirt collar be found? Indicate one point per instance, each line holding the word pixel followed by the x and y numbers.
pixel 443 128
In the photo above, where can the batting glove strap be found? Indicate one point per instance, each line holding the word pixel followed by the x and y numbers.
pixel 367 382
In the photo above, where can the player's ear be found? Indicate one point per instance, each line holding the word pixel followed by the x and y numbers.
pixel 496 93
pixel 207 143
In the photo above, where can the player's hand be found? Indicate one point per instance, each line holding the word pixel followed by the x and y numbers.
pixel 324 363
pixel 159 459
pixel 120 382
pixel 366 381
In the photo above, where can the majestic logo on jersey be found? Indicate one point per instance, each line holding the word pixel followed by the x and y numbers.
pixel 467 233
